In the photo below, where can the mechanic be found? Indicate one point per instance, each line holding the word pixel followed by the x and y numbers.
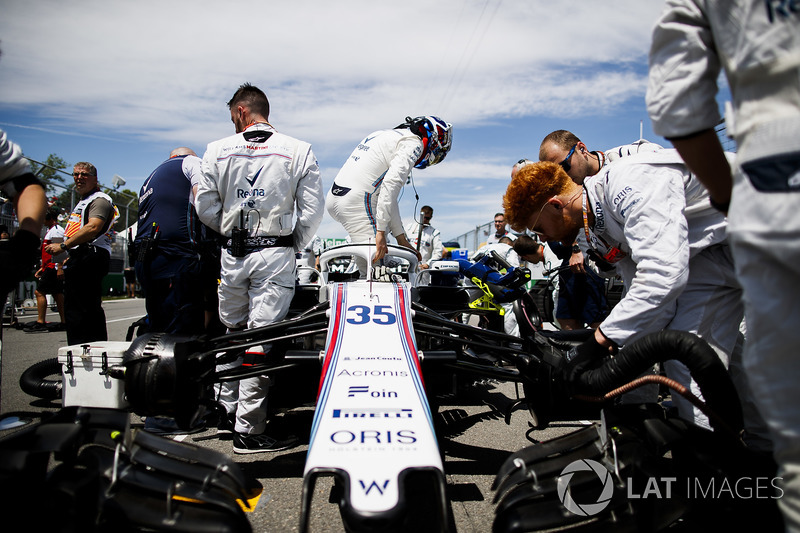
pixel 426 239
pixel 499 227
pixel 365 192
pixel 167 257
pixel 529 249
pixel 19 254
pixel 51 278
pixel 566 149
pixel 758 45
pixel 167 246
pixel 250 185
pixel 650 218
pixel 309 260
pixel 581 298
pixel 88 241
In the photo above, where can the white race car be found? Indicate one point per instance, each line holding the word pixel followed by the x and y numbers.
pixel 370 346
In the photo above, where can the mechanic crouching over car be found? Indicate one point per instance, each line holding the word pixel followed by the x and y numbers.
pixel 649 218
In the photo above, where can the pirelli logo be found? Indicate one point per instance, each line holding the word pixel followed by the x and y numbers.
pixel 371 413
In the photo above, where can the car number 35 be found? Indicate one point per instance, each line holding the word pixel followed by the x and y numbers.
pixel 361 314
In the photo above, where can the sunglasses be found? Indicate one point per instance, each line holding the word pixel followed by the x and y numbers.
pixel 565 164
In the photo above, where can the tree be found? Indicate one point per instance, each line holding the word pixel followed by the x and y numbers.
pixel 127 202
pixel 51 173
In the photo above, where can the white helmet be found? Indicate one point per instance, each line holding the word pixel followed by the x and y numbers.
pixel 436 135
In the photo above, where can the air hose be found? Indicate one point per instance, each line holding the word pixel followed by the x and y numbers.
pixel 721 405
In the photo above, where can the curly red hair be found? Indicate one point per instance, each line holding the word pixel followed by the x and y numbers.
pixel 529 189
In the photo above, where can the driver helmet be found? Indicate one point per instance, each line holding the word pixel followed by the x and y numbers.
pixel 436 135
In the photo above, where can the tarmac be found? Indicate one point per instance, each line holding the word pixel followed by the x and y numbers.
pixel 476 442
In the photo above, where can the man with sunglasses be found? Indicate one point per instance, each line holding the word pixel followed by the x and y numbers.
pixel 649 217
pixel 566 149
pixel 583 300
pixel 88 242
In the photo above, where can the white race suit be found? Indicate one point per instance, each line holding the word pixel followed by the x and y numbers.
pixel 268 183
pixel 757 43
pixel 674 258
pixel 364 194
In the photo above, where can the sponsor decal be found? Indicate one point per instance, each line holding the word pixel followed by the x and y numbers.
pixel 252 180
pixel 372 358
pixel 625 209
pixel 599 218
pixel 364 389
pixel 373 373
pixel 622 194
pixel 245 193
pixel 371 413
pixel 782 8
pixel 403 436
pixel 373 485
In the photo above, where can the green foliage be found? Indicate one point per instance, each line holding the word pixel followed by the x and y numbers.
pixel 49 173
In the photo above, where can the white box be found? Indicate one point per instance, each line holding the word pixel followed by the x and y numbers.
pixel 85 378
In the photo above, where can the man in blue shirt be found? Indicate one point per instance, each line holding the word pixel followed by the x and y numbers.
pixel 166 246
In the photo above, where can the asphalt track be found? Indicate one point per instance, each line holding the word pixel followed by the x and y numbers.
pixel 477 438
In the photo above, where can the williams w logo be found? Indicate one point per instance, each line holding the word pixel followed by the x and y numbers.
pixel 373 485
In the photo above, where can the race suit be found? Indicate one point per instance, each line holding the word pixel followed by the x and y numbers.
pixel 652 220
pixel 254 180
pixel 364 194
pixel 758 45
pixel 430 244
pixel 618 152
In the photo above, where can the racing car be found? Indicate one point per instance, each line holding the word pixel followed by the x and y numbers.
pixel 370 349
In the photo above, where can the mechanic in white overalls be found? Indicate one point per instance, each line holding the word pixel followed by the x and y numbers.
pixel 648 216
pixel 262 191
pixel 758 45
pixel 364 195
pixel 426 239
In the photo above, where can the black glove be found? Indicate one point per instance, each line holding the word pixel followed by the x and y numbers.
pixel 18 257
pixel 580 358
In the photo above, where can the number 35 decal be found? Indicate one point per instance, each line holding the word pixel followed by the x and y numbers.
pixel 363 314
